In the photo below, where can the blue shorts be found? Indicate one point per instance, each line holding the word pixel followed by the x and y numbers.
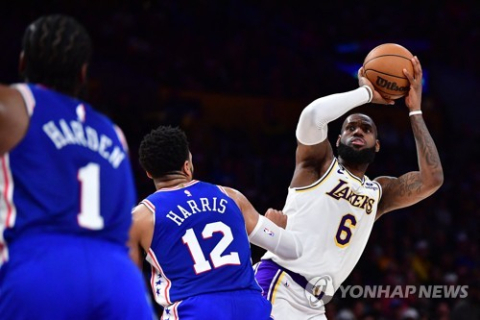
pixel 231 305
pixel 66 277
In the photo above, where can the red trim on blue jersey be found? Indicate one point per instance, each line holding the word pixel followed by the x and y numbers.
pixel 6 191
pixel 159 269
pixel 149 205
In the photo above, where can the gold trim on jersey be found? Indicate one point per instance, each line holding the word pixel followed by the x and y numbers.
pixel 380 190
pixel 317 183
pixel 275 289
pixel 352 175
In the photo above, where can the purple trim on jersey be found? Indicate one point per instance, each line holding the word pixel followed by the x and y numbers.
pixel 267 276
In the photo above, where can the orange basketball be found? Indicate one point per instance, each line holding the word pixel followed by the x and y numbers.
pixel 384 66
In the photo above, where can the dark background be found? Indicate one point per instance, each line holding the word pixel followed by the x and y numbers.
pixel 235 76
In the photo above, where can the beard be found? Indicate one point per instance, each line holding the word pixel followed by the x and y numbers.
pixel 353 156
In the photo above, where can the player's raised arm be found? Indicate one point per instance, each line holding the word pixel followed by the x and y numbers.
pixel 314 152
pixel 13 118
pixel 414 186
pixel 265 233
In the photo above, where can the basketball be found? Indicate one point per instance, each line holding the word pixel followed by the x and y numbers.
pixel 384 65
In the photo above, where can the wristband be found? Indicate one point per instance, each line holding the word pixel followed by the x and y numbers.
pixel 370 93
pixel 412 113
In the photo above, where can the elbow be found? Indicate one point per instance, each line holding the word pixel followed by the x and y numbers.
pixel 299 249
pixel 439 179
pixel 436 181
pixel 294 253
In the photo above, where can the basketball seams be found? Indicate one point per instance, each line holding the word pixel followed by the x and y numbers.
pixel 384 65
pixel 386 55
pixel 387 74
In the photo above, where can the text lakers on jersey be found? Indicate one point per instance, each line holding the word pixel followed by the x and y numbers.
pixel 343 191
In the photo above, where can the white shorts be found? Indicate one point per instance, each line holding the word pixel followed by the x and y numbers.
pixel 290 301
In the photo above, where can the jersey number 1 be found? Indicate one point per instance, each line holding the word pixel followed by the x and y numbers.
pixel 202 264
pixel 89 216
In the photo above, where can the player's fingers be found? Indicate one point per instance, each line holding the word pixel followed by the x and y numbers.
pixel 271 211
pixel 361 72
pixel 417 66
pixel 410 77
pixel 389 101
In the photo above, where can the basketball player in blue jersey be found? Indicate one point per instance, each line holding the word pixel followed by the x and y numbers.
pixel 332 205
pixel 196 236
pixel 66 190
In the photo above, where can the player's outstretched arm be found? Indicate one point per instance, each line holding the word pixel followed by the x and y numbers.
pixel 265 233
pixel 13 118
pixel 415 186
pixel 141 233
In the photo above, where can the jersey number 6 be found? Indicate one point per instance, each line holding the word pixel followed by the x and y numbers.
pixel 344 231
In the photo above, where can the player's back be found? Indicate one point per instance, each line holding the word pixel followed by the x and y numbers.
pixel 67 194
pixel 200 244
pixel 69 175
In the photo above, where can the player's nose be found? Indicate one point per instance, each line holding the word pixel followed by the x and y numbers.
pixel 358 132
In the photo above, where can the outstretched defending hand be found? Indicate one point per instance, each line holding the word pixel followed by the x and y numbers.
pixel 277 217
pixel 377 97
pixel 414 98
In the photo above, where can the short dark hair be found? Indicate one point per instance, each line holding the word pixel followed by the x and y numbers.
pixel 55 48
pixel 163 150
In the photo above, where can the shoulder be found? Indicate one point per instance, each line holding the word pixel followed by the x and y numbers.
pixel 143 215
pixel 384 181
pixel 234 194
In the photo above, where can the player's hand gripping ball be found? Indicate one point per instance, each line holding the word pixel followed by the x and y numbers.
pixel 384 65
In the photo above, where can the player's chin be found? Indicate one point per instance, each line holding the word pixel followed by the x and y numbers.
pixel 357 147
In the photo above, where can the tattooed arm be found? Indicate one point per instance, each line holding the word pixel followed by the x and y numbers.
pixel 414 186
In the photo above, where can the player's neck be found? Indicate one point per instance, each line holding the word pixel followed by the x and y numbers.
pixel 357 170
pixel 172 180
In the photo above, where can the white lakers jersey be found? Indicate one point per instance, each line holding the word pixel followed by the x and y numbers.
pixel 333 217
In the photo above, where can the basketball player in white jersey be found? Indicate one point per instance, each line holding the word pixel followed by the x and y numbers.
pixel 332 205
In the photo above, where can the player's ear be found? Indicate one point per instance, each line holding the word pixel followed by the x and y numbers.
pixel 21 62
pixel 377 145
pixel 187 168
pixel 338 140
pixel 83 73
pixel 149 175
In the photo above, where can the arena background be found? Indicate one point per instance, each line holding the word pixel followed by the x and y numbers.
pixel 236 74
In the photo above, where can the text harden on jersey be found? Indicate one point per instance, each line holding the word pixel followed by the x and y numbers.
pixel 86 136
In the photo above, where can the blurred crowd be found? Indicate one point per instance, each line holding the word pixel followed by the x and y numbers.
pixel 284 50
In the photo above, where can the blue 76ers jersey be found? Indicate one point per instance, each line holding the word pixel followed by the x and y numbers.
pixel 69 175
pixel 200 244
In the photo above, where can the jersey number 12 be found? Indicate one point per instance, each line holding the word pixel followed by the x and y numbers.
pixel 201 264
